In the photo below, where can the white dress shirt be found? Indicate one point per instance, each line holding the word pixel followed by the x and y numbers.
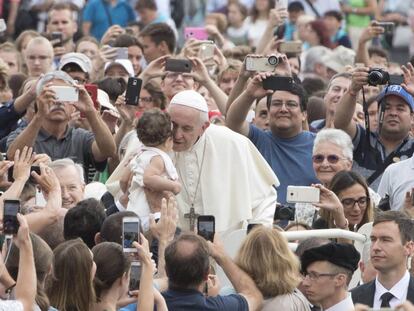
pixel 344 305
pixel 399 291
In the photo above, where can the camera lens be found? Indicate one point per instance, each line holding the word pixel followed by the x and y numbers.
pixel 273 60
pixel 375 77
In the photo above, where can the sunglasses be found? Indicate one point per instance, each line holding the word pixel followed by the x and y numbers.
pixel 332 158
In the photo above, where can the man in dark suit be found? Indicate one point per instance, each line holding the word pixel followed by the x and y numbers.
pixel 391 245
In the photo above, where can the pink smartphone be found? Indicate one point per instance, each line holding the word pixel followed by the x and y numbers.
pixel 198 33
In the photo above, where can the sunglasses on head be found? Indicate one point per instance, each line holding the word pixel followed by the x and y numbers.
pixel 332 158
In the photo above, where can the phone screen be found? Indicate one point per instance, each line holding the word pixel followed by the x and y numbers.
pixel 10 222
pixel 130 233
pixel 135 276
pixel 206 229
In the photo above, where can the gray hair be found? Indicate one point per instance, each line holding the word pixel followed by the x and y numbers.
pixel 337 137
pixel 64 163
pixel 314 56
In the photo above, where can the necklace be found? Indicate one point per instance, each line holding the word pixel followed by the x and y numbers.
pixel 192 216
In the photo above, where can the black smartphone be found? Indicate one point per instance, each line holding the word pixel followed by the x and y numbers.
pixel 206 227
pixel 132 91
pixel 130 233
pixel 57 39
pixel 251 226
pixel 178 65
pixel 10 222
pixel 277 83
pixel 135 275
pixel 33 168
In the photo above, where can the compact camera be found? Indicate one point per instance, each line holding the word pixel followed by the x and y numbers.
pixel 377 76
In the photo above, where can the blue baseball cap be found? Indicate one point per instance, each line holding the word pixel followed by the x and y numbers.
pixel 399 91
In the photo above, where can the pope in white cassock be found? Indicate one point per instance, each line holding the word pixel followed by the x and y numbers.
pixel 221 172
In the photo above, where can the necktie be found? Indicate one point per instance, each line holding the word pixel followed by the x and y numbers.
pixel 385 299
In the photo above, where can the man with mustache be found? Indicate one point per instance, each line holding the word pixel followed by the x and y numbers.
pixel 49 131
pixel 374 151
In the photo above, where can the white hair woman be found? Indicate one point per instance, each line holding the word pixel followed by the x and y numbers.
pixel 332 153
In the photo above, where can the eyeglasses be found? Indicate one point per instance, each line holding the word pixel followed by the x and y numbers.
pixel 349 202
pixel 147 99
pixel 314 276
pixel 332 158
pixel 174 75
pixel 290 105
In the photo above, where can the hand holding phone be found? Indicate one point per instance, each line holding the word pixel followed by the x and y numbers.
pixel 10 221
pixel 133 90
pixel 130 233
pixel 302 194
pixel 206 227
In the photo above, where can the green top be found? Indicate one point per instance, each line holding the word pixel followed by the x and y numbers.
pixel 355 20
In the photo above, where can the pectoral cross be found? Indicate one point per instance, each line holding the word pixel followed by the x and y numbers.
pixel 192 217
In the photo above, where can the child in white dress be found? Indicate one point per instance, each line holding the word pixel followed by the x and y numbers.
pixel 153 170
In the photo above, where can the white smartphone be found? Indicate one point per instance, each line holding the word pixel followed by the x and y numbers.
pixel 65 93
pixel 281 4
pixel 122 53
pixel 130 233
pixel 206 50
pixel 302 194
pixel 261 63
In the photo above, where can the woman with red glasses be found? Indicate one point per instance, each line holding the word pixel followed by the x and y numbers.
pixel 333 153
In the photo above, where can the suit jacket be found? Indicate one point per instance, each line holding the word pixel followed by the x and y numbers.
pixel 365 293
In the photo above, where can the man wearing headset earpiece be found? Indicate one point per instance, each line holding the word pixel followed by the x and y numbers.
pixel 391 142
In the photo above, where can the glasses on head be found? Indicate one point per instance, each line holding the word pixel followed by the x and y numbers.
pixel 174 75
pixel 291 105
pixel 349 202
pixel 332 158
pixel 314 276
pixel 147 99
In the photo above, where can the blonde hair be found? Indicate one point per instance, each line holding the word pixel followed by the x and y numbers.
pixel 265 256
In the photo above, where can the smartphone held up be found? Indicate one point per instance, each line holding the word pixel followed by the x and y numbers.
pixel 130 233
pixel 10 221
pixel 206 227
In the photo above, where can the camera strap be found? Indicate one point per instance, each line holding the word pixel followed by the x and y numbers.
pixel 108 14
pixel 366 115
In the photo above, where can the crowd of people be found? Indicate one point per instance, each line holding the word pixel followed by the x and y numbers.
pixel 238 103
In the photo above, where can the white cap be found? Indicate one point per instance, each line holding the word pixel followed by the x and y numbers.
pixel 103 99
pixel 79 59
pixel 125 63
pixel 94 190
pixel 191 99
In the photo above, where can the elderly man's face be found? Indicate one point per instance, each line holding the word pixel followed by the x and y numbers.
pixel 337 89
pixel 187 127
pixel 39 59
pixel 71 185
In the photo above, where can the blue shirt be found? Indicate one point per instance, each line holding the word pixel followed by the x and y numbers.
pixel 190 299
pixel 131 307
pixel 94 12
pixel 290 159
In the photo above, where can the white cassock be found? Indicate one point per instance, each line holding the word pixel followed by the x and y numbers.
pixel 236 183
